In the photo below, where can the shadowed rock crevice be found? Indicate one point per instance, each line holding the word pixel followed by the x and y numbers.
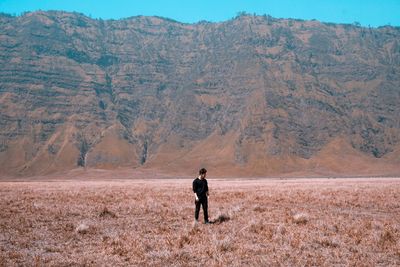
pixel 143 157
pixel 83 150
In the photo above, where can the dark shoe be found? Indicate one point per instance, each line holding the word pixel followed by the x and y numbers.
pixel 207 222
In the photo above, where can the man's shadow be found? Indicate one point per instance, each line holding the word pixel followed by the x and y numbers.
pixel 220 219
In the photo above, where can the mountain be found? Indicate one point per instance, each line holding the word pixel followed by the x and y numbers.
pixel 252 96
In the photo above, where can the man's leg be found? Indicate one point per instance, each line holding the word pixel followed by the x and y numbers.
pixel 197 210
pixel 205 210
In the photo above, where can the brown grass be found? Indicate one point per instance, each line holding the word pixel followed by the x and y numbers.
pixel 320 222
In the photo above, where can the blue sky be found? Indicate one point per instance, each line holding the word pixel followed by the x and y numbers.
pixel 367 12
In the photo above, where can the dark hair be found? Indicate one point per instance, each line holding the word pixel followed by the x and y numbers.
pixel 202 171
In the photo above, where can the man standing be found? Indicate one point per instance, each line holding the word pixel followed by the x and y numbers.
pixel 200 189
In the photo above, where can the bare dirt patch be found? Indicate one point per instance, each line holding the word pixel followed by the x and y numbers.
pixel 150 222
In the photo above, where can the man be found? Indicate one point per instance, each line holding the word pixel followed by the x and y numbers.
pixel 200 189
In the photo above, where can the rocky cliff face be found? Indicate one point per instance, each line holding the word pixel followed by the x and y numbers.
pixel 250 96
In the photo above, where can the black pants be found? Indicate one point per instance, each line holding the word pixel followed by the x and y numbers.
pixel 203 202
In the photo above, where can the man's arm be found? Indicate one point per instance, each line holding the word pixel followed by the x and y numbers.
pixel 194 190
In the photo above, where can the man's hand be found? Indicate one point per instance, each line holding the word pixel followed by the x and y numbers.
pixel 196 197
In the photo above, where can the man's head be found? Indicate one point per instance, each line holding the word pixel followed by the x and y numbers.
pixel 202 172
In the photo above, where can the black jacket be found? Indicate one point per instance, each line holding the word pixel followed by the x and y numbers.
pixel 200 187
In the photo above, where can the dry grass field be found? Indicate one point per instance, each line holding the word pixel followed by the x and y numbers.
pixel 303 222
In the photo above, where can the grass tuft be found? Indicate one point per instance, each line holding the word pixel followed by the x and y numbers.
pixel 82 228
pixel 300 218
pixel 106 213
